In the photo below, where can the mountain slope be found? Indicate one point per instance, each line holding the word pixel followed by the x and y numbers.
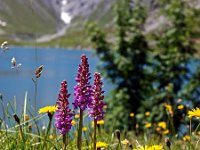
pixel 26 18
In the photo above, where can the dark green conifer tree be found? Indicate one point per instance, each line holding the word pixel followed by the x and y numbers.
pixel 124 62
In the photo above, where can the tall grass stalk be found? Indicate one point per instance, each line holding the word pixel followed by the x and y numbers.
pixel 4 114
pixel 17 120
pixel 35 122
pixel 25 106
pixel 35 93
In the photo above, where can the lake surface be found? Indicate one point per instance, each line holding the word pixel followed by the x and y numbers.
pixel 59 64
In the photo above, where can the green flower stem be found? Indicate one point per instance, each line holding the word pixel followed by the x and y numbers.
pixel 79 140
pixel 196 128
pixel 64 142
pixel 95 133
pixel 35 94
pixel 171 123
pixel 48 129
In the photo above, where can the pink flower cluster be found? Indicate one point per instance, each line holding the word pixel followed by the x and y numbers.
pixel 82 91
pixel 63 113
pixel 96 105
pixel 85 96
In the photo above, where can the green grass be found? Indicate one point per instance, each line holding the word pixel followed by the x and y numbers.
pixel 30 139
pixel 12 140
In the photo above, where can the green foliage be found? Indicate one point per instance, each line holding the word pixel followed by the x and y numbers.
pixel 147 78
pixel 173 56
pixel 124 61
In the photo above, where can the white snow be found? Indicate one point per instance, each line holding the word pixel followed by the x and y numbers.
pixel 66 18
pixel 64 2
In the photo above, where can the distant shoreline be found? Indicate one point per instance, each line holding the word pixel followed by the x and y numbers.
pixel 46 47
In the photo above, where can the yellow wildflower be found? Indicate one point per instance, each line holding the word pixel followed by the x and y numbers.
pixel 198 133
pixel 125 142
pixel 180 107
pixel 186 138
pixel 169 109
pixel 162 124
pixel 84 129
pixel 73 122
pixel 153 147
pixel 194 113
pixel 77 116
pixel 165 131
pixel 101 144
pixel 132 115
pixel 51 137
pixel 156 147
pixel 47 109
pixel 147 125
pixel 147 114
pixel 100 122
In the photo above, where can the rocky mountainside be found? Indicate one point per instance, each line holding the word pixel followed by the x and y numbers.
pixel 25 19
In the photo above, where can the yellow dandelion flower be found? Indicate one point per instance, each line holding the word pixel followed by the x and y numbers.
pixel 162 124
pixel 169 109
pixel 194 113
pixel 198 133
pixel 132 115
pixel 51 137
pixel 101 144
pixel 156 147
pixel 186 138
pixel 180 107
pixel 153 147
pixel 147 125
pixel 165 132
pixel 100 122
pixel 125 142
pixel 47 109
pixel 84 129
pixel 147 114
pixel 73 122
pixel 76 116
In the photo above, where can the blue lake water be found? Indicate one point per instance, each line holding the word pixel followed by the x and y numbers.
pixel 59 64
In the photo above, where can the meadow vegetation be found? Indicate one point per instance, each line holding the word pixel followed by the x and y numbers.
pixel 155 101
